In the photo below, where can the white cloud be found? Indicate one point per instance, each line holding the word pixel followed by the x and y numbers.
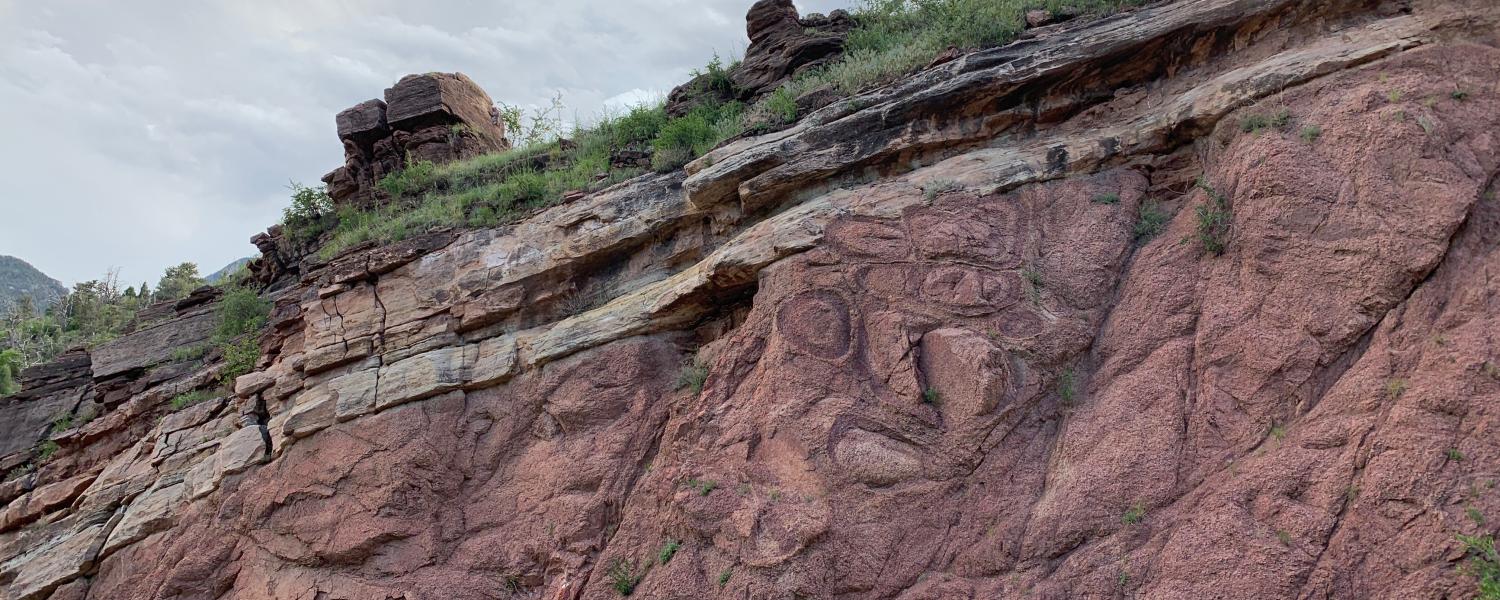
pixel 142 134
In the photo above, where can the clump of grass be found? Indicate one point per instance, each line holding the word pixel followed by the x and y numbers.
pixel 782 106
pixel 1066 386
pixel 1284 537
pixel 1152 221
pixel 62 424
pixel 1459 95
pixel 45 451
pixel 187 399
pixel 1256 123
pixel 1474 515
pixel 188 353
pixel 1393 96
pixel 1394 388
pixel 724 576
pixel 1427 125
pixel 1214 219
pixel 931 396
pixel 1311 133
pixel 694 134
pixel 1484 564
pixel 704 486
pixel 1107 198
pixel 623 577
pixel 1135 514
pixel 1454 455
pixel 694 373
pixel 932 189
pixel 1278 432
pixel 668 550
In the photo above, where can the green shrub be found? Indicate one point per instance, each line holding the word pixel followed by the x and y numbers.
pixel 668 550
pixel 187 399
pixel 704 486
pixel 310 214
pixel 45 451
pixel 1109 198
pixel 692 135
pixel 1311 133
pixel 724 576
pixel 62 424
pixel 240 315
pixel 10 371
pixel 1135 514
pixel 783 105
pixel 1152 221
pixel 694 373
pixel 1067 386
pixel 623 576
pixel 931 396
pixel 1484 565
pixel 1214 220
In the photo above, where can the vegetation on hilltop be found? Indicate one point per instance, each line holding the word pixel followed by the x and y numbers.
pixel 891 38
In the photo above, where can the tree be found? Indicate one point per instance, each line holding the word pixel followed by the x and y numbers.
pixel 10 371
pixel 177 282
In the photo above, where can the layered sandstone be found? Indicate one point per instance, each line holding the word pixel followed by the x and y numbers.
pixel 940 355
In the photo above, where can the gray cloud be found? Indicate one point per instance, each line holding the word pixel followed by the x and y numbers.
pixel 142 134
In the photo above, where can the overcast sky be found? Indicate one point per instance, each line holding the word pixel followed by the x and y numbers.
pixel 145 133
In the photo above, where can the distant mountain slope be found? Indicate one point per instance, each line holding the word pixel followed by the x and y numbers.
pixel 215 276
pixel 18 278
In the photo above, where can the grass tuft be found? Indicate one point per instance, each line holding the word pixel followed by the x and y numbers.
pixel 1484 565
pixel 694 373
pixel 1152 221
pixel 623 577
pixel 1214 219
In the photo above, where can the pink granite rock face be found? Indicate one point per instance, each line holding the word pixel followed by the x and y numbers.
pixel 977 371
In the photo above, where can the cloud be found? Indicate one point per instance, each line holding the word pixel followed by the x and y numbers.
pixel 143 134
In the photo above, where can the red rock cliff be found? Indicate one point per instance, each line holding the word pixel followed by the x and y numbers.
pixel 1041 321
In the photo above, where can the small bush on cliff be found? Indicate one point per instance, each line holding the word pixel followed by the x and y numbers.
pixel 10 371
pixel 241 314
pixel 694 374
pixel 310 214
pixel 1484 564
pixel 668 550
pixel 694 134
pixel 623 577
pixel 187 399
pixel 1150 222
pixel 1214 220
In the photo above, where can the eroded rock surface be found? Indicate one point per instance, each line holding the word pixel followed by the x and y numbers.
pixel 933 349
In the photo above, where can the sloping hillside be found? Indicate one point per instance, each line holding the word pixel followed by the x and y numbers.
pixel 18 278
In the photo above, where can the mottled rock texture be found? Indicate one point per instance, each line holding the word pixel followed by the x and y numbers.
pixel 924 346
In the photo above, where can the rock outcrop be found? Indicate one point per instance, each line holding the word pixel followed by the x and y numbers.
pixel 436 117
pixel 782 43
pixel 1194 301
